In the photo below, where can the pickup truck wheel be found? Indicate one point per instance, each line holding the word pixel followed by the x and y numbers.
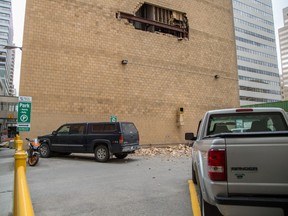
pixel 44 150
pixel 194 179
pixel 208 209
pixel 102 153
pixel 121 155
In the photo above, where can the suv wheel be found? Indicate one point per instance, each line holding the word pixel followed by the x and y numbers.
pixel 102 153
pixel 121 155
pixel 44 150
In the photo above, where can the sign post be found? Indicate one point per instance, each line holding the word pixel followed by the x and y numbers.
pixel 24 113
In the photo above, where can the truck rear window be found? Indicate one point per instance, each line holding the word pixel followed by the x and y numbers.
pixel 246 122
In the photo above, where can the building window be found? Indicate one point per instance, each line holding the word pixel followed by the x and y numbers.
pixel 4 28
pixel 156 19
pixel 4 21
pixel 266 91
pixel 263 100
pixel 5 8
pixel 263 81
pixel 2 59
pixel 253 70
pixel 3 42
pixel 255 61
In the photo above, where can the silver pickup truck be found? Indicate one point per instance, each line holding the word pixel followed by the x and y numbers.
pixel 240 162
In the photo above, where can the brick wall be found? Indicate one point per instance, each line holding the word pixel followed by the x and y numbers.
pixel 71 66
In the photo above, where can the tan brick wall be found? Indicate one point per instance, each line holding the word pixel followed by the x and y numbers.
pixel 71 66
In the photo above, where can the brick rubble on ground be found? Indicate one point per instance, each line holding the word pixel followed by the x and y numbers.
pixel 174 151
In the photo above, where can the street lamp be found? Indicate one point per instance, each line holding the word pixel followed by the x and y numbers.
pixel 12 47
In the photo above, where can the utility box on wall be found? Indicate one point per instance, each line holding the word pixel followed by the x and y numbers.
pixel 180 116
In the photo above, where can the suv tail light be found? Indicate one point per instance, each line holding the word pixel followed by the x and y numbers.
pixel 121 139
pixel 217 164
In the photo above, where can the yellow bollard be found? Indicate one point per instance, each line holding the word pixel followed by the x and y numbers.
pixel 22 201
pixel 18 145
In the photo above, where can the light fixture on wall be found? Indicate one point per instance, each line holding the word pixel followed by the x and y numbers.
pixel 216 76
pixel 124 62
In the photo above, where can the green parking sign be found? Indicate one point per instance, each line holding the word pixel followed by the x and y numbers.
pixel 24 113
pixel 113 118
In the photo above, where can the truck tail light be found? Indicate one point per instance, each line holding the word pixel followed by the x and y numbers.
pixel 244 110
pixel 217 164
pixel 121 139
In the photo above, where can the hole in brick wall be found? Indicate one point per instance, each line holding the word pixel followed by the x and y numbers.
pixel 157 19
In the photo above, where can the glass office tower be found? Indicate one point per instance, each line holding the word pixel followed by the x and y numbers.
pixel 6 56
pixel 258 74
pixel 283 40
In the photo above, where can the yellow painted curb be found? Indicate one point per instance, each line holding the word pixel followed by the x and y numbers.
pixel 194 200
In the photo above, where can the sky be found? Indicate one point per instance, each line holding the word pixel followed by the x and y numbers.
pixel 18 10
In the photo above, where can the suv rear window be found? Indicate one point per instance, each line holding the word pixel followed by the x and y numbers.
pixel 128 128
pixel 102 127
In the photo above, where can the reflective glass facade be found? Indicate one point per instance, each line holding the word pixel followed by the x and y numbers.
pixel 6 56
pixel 258 73
pixel 283 40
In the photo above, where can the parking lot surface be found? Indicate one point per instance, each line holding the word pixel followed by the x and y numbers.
pixel 137 185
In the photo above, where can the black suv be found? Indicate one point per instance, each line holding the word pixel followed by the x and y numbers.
pixel 101 138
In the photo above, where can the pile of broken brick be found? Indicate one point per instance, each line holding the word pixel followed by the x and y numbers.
pixel 174 151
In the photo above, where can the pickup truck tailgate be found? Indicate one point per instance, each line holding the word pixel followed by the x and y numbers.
pixel 257 166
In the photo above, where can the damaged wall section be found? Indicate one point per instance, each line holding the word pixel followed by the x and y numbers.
pixel 157 19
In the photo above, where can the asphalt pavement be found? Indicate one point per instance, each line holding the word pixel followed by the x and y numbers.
pixel 6 181
pixel 77 185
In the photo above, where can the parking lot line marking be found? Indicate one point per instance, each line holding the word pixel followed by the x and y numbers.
pixel 194 200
